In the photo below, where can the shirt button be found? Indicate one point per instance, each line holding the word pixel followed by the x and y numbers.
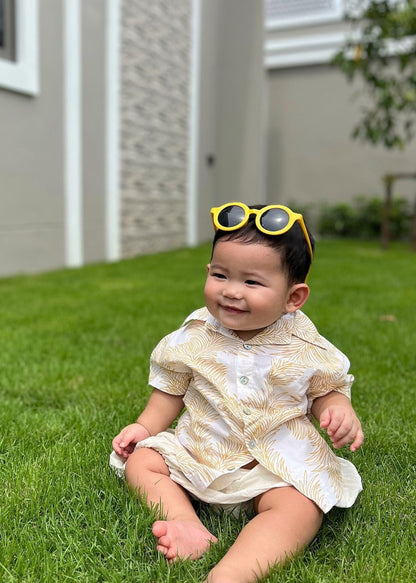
pixel 251 444
pixel 247 346
pixel 243 380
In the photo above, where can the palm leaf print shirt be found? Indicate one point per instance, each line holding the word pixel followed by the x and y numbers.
pixel 251 400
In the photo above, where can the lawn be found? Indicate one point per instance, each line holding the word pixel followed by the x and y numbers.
pixel 75 346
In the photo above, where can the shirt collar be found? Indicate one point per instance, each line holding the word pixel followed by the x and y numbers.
pixel 280 332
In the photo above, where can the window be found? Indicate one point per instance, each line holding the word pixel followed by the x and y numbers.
pixel 290 13
pixel 7 30
pixel 19 46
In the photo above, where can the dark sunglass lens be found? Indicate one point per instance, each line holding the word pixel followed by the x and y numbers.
pixel 274 220
pixel 231 216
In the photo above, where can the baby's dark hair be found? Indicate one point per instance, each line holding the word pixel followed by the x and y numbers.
pixel 291 246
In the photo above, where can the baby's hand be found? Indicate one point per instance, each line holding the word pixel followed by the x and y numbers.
pixel 342 426
pixel 125 442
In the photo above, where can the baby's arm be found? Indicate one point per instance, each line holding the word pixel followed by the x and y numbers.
pixel 160 411
pixel 335 413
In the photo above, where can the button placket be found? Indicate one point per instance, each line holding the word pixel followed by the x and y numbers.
pixel 244 374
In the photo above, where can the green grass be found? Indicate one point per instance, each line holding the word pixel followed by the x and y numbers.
pixel 75 346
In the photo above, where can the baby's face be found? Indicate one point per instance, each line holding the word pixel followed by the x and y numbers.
pixel 246 288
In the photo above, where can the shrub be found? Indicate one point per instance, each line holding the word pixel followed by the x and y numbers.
pixel 363 218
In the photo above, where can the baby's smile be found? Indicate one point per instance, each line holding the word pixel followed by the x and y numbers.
pixel 233 309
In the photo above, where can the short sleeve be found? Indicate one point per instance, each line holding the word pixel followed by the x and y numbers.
pixel 332 375
pixel 168 373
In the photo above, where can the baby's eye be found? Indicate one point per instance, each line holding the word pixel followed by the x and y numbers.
pixel 219 275
pixel 252 282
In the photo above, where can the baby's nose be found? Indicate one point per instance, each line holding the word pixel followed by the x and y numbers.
pixel 233 290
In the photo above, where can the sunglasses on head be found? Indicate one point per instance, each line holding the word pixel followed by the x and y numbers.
pixel 273 219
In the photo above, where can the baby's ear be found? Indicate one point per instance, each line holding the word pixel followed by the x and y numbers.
pixel 297 296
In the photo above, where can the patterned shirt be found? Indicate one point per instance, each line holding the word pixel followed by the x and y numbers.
pixel 251 400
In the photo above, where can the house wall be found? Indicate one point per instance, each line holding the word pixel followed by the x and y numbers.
pixel 312 110
pixel 94 93
pixel 161 209
pixel 155 45
pixel 31 161
pixel 34 151
pixel 231 146
pixel 62 200
pixel 311 156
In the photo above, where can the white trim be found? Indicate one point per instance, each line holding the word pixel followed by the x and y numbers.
pixel 72 133
pixel 112 194
pixel 193 152
pixel 333 14
pixel 318 49
pixel 305 50
pixel 22 75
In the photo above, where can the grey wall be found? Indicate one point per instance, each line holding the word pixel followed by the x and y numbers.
pixel 312 110
pixel 231 106
pixel 311 156
pixel 155 58
pixel 31 158
pixel 32 150
pixel 93 128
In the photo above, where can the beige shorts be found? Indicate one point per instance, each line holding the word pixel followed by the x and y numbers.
pixel 233 492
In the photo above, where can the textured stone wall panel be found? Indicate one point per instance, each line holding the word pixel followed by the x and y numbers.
pixel 154 124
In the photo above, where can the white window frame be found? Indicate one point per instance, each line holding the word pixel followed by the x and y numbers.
pixel 333 14
pixel 22 75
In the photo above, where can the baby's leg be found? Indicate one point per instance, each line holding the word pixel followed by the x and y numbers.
pixel 182 534
pixel 286 522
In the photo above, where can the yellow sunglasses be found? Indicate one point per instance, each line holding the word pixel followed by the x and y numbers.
pixel 273 219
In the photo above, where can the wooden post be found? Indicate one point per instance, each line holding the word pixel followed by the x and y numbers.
pixel 385 225
pixel 413 228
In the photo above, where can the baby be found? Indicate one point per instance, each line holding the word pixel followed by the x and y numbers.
pixel 250 371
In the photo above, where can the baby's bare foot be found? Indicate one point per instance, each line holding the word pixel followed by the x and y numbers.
pixel 182 538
